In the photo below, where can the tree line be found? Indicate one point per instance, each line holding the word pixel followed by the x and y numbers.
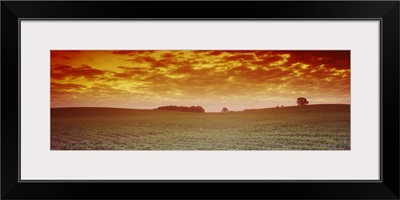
pixel 182 108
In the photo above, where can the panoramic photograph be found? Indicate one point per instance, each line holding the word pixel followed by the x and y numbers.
pixel 200 100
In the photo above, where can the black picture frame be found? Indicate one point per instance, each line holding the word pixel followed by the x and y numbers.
pixel 386 11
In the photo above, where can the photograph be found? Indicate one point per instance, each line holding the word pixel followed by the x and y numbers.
pixel 200 99
pixel 113 99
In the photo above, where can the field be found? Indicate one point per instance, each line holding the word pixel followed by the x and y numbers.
pixel 311 127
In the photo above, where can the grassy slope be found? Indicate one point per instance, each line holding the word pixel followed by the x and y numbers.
pixel 312 127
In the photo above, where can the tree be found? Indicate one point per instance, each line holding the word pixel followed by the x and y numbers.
pixel 301 101
pixel 224 109
pixel 182 108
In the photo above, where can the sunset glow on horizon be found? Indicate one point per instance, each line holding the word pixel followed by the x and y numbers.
pixel 238 80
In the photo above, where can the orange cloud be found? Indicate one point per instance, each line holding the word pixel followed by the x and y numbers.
pixel 65 71
pixel 237 79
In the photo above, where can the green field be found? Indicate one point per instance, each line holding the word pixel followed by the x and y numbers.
pixel 311 127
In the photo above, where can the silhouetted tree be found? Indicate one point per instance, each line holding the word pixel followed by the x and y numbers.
pixel 224 109
pixel 301 101
pixel 182 108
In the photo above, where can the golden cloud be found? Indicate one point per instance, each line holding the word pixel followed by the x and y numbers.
pixel 159 77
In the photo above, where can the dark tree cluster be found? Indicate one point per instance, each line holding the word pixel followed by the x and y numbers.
pixel 224 109
pixel 301 101
pixel 182 108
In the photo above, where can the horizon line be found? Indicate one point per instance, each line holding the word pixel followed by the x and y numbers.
pixel 201 106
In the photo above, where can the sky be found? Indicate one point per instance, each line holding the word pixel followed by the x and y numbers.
pixel 238 80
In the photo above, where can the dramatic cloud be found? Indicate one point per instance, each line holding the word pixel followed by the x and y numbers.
pixel 234 79
pixel 65 71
